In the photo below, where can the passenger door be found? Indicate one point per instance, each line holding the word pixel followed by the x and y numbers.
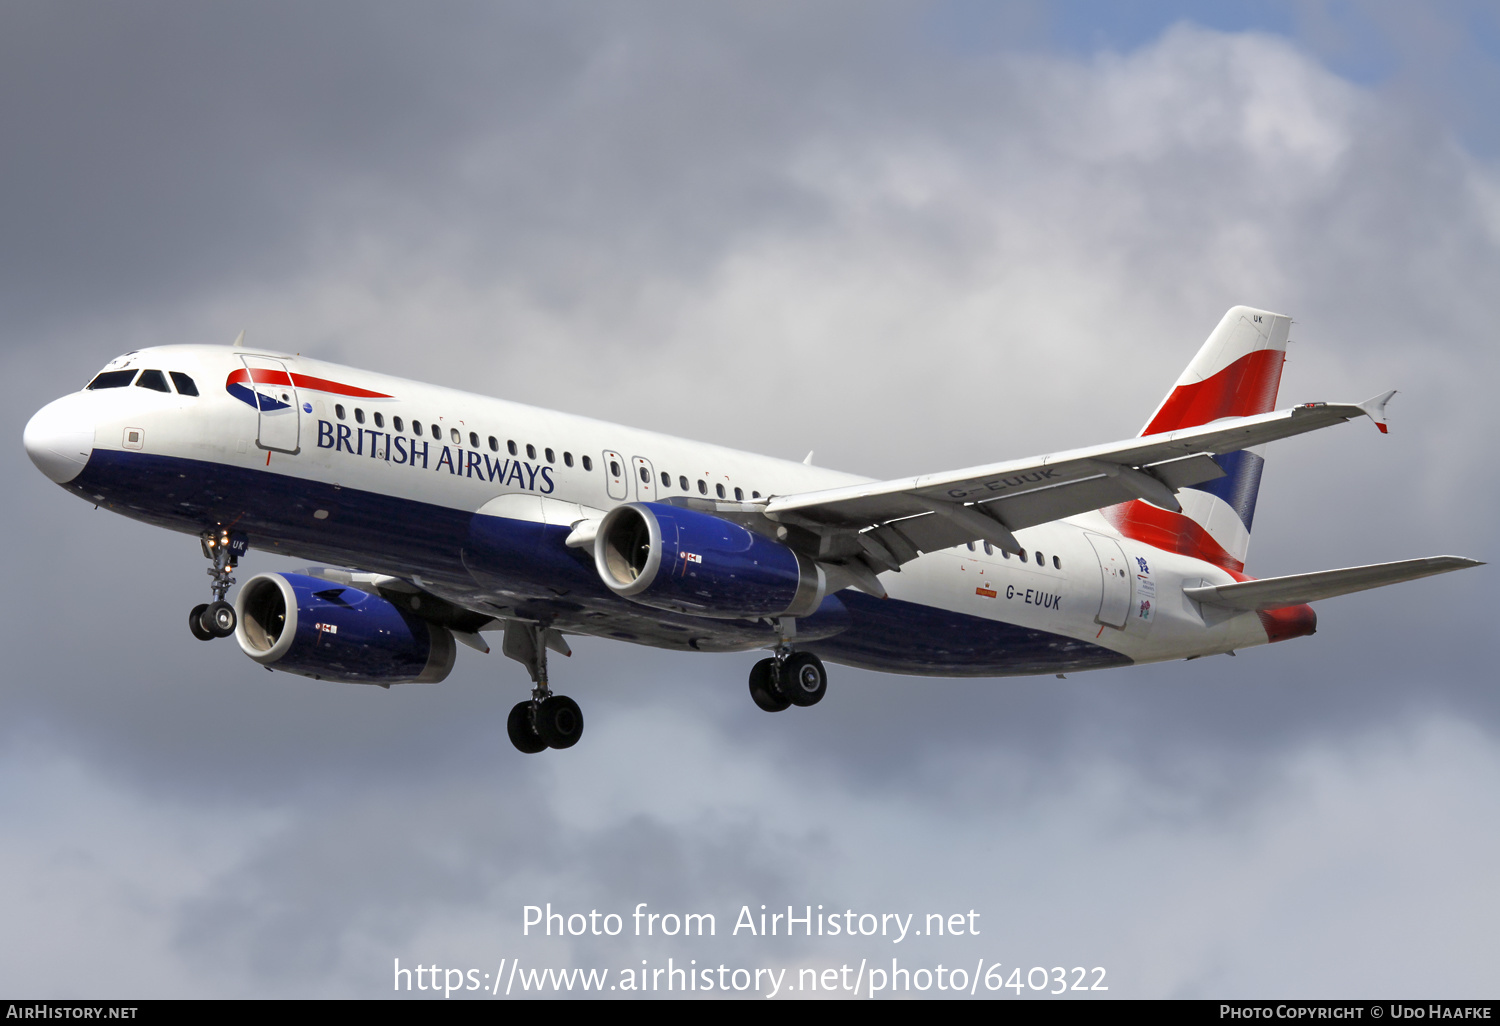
pixel 1114 574
pixel 276 401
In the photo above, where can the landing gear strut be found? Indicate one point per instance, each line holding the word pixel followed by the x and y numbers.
pixel 788 678
pixel 217 619
pixel 546 720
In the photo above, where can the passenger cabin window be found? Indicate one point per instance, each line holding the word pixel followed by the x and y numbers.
pixel 185 385
pixel 568 458
pixel 720 490
pixel 666 479
pixel 755 495
pixel 614 468
pixel 113 379
pixel 645 476
pixel 550 457
pixel 338 410
pixel 379 421
pixel 588 463
pixel 702 487
pixel 437 433
pixel 989 550
pixel 396 424
pixel 531 452
pixel 682 483
pixel 1041 560
pixel 474 439
pixel 359 415
pixel 512 447
pixel 416 428
pixel 1056 563
pixel 458 439
pixel 970 545
pixel 739 495
pixel 154 380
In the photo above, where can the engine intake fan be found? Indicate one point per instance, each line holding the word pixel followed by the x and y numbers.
pixel 682 560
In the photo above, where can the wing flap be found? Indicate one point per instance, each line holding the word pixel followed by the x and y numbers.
pixel 1276 592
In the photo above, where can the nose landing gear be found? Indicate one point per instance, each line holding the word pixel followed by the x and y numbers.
pixel 217 619
pixel 546 720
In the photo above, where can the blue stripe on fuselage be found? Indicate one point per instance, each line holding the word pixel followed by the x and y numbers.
pixel 903 637
pixel 526 567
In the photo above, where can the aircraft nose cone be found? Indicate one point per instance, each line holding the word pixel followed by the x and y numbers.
pixel 59 438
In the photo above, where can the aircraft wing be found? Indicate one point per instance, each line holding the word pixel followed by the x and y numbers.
pixel 887 523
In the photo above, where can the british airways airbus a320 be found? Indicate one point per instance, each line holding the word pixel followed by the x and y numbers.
pixel 445 514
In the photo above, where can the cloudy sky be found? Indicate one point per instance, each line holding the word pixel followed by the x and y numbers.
pixel 909 236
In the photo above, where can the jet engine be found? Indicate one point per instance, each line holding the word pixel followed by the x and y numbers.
pixel 677 559
pixel 327 631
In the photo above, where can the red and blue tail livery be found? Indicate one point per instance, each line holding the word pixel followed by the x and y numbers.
pixel 435 517
pixel 1237 373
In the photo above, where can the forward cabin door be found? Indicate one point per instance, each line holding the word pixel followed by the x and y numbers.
pixel 1114 581
pixel 276 400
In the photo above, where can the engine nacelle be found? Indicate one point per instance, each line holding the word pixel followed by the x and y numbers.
pixel 329 631
pixel 668 557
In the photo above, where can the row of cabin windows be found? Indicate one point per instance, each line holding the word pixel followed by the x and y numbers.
pixel 682 483
pixel 457 437
pixel 152 379
pixel 1041 560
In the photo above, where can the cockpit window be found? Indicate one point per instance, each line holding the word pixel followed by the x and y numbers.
pixel 113 379
pixel 184 383
pixel 154 380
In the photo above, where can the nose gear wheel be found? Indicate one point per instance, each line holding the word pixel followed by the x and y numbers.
pixel 217 619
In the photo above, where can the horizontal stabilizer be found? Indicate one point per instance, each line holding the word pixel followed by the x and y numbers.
pixel 1276 592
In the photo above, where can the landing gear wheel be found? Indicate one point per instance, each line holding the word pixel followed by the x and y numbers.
pixel 763 687
pixel 518 726
pixel 195 623
pixel 559 721
pixel 219 619
pixel 803 679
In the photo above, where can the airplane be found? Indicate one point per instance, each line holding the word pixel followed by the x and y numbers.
pixel 436 516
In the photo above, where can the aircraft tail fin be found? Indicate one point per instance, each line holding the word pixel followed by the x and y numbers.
pixel 1237 373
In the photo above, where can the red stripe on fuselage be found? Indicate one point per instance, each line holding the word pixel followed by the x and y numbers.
pixel 266 376
pixel 1245 388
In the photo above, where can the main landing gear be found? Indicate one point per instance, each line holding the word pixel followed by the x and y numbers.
pixel 546 720
pixel 788 678
pixel 217 619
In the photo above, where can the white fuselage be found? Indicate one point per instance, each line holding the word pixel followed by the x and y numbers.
pixel 337 471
